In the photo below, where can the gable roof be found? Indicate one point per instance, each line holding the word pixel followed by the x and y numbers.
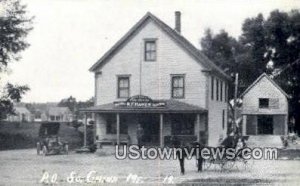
pixel 58 110
pixel 21 110
pixel 268 78
pixel 183 42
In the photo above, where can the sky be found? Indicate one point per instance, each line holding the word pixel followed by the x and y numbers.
pixel 69 36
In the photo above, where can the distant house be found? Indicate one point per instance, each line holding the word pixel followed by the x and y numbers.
pixel 22 114
pixel 50 112
pixel 60 114
pixel 265 108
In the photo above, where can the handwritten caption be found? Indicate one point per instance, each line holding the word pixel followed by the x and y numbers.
pixel 92 178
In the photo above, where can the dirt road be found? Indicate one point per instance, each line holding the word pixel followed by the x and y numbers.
pixel 24 167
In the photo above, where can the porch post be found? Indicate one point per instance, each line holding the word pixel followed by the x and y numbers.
pixel 118 129
pixel 256 125
pixel 198 127
pixel 161 123
pixel 94 127
pixel 244 125
pixel 286 124
pixel 84 132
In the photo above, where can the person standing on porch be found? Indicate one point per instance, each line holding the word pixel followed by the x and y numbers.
pixel 291 125
pixel 139 134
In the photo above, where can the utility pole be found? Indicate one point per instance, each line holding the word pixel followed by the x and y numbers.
pixel 235 102
pixel 140 70
pixel 236 81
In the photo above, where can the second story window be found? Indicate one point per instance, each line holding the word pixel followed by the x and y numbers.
pixel 263 103
pixel 177 86
pixel 123 87
pixel 150 50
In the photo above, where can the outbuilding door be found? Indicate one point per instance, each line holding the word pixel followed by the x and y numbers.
pixel 264 124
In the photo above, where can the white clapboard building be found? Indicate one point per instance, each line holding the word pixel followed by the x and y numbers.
pixel 155 77
pixel 265 108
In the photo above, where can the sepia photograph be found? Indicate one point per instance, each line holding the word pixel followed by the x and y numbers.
pixel 149 92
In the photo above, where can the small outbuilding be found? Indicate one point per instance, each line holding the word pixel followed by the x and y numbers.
pixel 265 108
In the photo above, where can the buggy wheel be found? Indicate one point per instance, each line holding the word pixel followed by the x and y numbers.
pixel 227 164
pixel 248 164
pixel 66 148
pixel 206 164
pixel 45 150
pixel 38 148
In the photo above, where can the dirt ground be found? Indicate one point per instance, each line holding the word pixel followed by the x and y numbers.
pixel 24 167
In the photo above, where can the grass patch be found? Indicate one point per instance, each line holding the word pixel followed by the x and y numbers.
pixel 25 135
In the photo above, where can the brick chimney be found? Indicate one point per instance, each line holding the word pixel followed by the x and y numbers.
pixel 177 21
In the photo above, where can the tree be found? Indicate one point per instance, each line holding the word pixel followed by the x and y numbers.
pixel 253 37
pixel 69 102
pixel 14 27
pixel 227 52
pixel 283 31
pixel 84 104
pixel 219 48
pixel 11 93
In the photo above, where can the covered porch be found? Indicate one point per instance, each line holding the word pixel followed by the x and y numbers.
pixel 117 123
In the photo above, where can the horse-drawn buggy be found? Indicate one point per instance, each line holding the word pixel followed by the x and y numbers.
pixel 229 154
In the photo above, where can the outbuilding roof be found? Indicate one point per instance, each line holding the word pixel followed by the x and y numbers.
pixel 21 110
pixel 171 106
pixel 258 79
pixel 177 37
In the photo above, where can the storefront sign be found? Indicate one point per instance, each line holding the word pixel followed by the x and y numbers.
pixel 140 101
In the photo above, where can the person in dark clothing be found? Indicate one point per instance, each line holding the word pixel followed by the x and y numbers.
pixel 291 125
pixel 139 134
pixel 177 144
pixel 199 157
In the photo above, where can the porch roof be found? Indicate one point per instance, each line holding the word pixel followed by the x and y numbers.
pixel 171 106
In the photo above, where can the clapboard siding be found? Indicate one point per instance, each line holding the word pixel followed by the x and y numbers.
pixel 215 113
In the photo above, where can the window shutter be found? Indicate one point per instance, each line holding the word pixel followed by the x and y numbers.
pixel 274 103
